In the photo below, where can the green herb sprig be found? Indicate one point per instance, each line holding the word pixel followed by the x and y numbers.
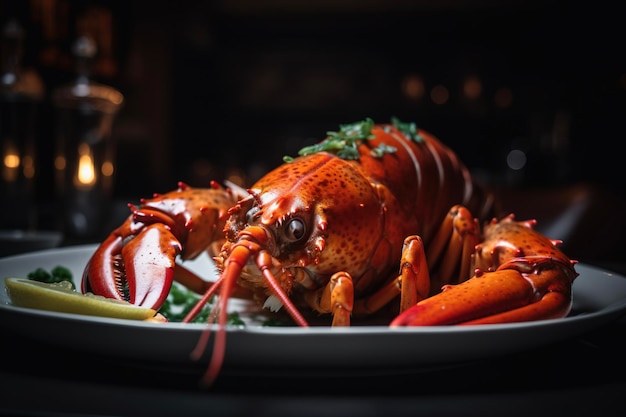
pixel 57 274
pixel 343 143
pixel 346 141
pixel 181 300
pixel 409 129
pixel 382 149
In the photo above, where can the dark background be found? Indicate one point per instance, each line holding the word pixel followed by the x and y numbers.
pixel 221 88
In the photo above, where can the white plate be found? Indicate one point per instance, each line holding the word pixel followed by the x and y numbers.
pixel 599 297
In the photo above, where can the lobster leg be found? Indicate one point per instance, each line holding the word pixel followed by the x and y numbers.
pixel 336 297
pixel 455 240
pixel 412 284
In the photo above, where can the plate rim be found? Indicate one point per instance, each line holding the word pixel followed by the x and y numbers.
pixel 614 307
pixel 571 326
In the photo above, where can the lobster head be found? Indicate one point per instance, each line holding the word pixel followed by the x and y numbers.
pixel 290 219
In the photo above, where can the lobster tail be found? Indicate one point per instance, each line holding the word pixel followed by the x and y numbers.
pixel 417 172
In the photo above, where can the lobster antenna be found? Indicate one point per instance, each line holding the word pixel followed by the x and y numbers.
pixel 206 333
pixel 237 259
pixel 219 343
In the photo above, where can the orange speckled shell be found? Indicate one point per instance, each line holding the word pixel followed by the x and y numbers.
pixel 198 215
pixel 363 209
pixel 346 207
pixel 425 177
pixel 508 239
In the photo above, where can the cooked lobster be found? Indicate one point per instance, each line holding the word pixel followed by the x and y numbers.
pixel 372 216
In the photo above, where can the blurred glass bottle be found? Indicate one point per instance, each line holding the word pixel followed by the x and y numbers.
pixel 21 93
pixel 85 149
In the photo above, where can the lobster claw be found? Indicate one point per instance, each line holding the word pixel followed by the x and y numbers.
pixel 139 270
pixel 521 290
pixel 136 262
pixel 528 278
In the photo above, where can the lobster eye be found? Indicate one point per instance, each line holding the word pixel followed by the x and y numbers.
pixel 294 230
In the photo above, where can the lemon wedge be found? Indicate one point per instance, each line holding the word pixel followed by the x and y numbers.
pixel 62 298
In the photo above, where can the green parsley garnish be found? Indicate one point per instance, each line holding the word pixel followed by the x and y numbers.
pixel 57 274
pixel 382 149
pixel 343 143
pixel 408 128
pixel 181 300
pixel 346 141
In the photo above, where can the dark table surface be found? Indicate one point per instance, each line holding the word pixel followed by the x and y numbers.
pixel 581 376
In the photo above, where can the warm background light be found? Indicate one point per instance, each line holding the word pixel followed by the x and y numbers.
pixel 439 94
pixel 28 167
pixel 11 162
pixel 59 162
pixel 86 174
pixel 413 87
pixel 472 87
pixel 107 169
